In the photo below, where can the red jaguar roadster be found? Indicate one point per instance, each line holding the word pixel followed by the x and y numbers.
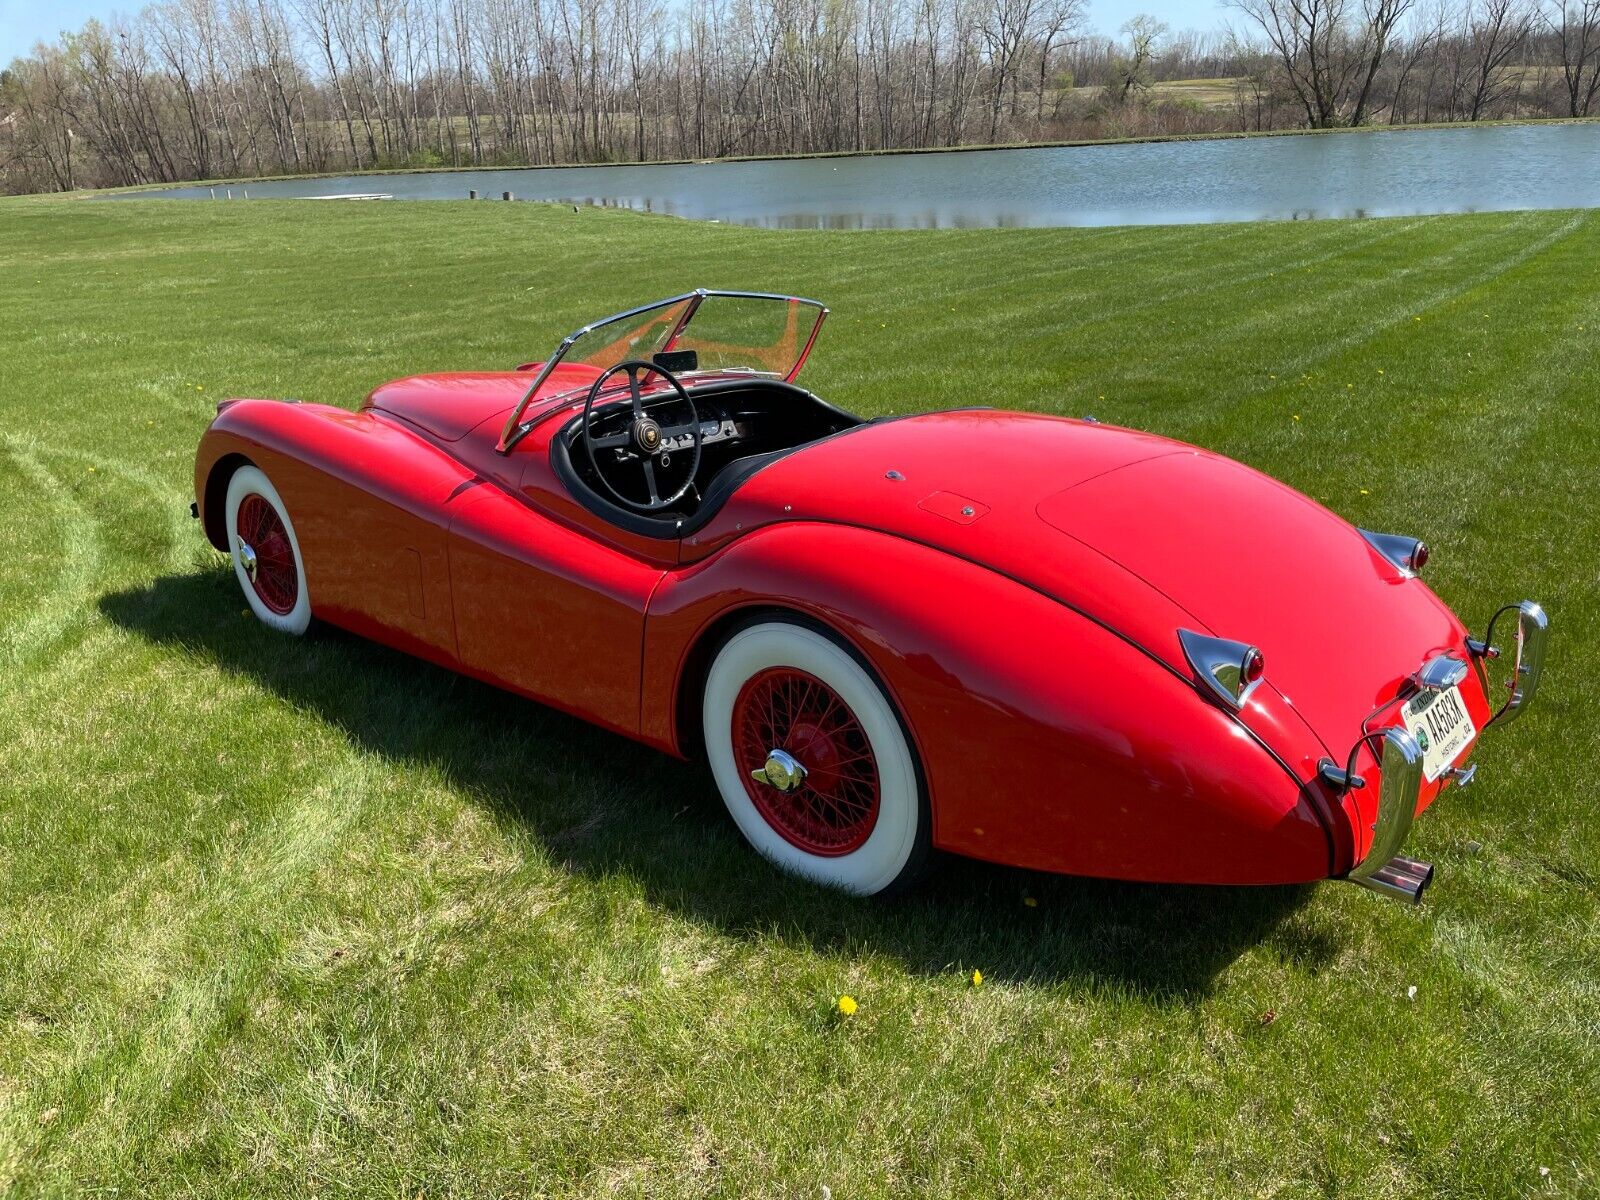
pixel 1028 639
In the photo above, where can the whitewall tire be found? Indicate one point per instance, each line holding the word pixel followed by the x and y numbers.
pixel 265 553
pixel 812 760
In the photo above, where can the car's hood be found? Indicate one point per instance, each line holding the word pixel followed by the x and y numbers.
pixel 1142 534
pixel 447 407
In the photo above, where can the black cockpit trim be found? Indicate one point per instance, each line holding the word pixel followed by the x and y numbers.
pixel 723 484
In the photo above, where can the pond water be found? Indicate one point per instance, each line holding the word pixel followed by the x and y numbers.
pixel 1279 178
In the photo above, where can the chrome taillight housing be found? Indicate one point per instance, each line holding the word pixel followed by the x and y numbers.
pixel 1408 554
pixel 1228 668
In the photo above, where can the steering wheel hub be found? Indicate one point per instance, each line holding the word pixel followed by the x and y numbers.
pixel 646 435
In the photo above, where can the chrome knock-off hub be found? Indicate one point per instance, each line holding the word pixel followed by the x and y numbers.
pixel 247 559
pixel 782 771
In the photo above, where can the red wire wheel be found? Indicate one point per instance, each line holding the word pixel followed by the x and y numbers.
pixel 277 580
pixel 834 809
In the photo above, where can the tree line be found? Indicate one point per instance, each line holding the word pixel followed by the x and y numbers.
pixel 197 89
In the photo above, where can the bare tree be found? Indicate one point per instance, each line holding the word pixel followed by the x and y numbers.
pixel 1495 33
pixel 1330 50
pixel 1575 26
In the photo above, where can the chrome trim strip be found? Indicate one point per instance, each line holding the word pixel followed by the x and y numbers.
pixel 1398 793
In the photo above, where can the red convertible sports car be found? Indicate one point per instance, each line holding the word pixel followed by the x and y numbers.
pixel 1028 639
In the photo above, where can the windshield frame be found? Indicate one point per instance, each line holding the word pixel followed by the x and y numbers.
pixel 691 301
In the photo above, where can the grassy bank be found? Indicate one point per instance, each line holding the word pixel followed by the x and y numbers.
pixel 291 918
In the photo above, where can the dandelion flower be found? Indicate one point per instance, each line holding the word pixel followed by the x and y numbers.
pixel 847 1006
pixel 1364 492
pixel 1297 416
pixel 977 978
pixel 1030 902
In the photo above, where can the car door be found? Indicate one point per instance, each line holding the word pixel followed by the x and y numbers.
pixel 546 609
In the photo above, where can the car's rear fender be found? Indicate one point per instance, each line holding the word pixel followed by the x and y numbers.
pixel 1048 740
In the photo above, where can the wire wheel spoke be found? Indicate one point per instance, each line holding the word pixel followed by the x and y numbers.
pixel 835 808
pixel 276 580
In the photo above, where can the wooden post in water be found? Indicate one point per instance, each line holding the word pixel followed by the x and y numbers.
pixel 472 193
pixel 505 195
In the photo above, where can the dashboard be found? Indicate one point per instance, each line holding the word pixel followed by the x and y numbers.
pixel 741 423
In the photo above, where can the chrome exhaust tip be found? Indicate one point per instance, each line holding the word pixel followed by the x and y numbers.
pixel 1401 877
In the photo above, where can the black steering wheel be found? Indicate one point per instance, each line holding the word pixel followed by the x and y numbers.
pixel 645 436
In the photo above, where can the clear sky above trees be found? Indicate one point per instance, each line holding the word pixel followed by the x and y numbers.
pixel 24 22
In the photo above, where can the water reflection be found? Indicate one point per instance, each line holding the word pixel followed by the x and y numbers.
pixel 1398 173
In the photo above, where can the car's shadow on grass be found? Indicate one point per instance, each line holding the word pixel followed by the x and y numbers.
pixel 600 804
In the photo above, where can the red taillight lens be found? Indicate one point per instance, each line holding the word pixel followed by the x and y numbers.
pixel 1419 556
pixel 1254 665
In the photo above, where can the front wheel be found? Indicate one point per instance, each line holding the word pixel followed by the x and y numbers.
pixel 813 761
pixel 266 554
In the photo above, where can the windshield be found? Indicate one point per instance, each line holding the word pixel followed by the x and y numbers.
pixel 768 335
pixel 637 334
pixel 725 331
pixel 700 332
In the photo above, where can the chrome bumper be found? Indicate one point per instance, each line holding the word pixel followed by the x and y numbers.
pixel 1385 869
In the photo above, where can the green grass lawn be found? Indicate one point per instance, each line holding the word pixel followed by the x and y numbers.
pixel 294 918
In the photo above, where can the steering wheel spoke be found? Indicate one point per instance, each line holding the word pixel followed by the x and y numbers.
pixel 645 436
pixel 633 388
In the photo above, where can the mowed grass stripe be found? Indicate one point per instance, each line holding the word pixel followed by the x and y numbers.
pixel 1072 312
pixel 1342 313
pixel 48 603
pixel 290 917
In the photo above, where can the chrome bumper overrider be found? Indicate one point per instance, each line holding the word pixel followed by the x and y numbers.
pixel 1385 869
pixel 1527 664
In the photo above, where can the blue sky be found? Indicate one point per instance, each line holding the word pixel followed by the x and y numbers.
pixel 24 22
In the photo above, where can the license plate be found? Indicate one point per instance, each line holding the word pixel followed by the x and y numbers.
pixel 1439 722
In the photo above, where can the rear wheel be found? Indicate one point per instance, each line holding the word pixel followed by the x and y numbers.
pixel 812 760
pixel 266 555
